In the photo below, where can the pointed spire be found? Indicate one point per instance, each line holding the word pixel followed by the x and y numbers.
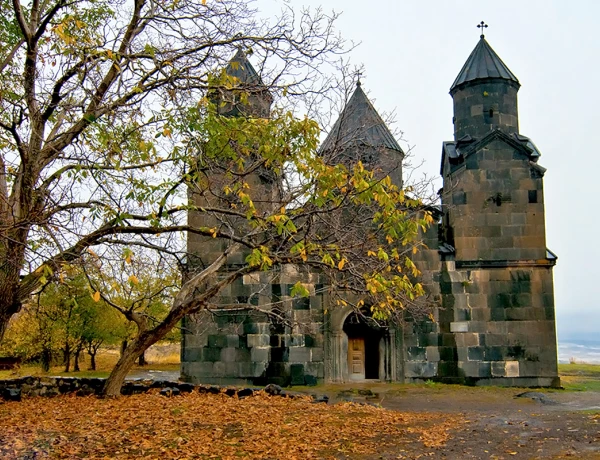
pixel 259 99
pixel 239 67
pixel 483 63
pixel 359 124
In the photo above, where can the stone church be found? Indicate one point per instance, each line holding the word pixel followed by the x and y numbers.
pixel 486 265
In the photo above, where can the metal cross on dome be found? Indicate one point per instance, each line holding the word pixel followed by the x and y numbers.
pixel 482 25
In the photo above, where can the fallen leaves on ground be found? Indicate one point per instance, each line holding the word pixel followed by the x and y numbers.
pixel 209 427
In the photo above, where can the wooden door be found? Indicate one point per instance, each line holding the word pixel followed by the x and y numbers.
pixel 356 358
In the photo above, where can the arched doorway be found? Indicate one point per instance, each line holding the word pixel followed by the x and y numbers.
pixel 365 348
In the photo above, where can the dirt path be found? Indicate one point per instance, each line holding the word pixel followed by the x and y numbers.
pixel 498 424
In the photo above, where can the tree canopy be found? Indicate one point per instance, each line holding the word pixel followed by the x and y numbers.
pixel 89 91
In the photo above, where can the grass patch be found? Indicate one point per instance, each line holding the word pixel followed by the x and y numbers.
pixel 580 377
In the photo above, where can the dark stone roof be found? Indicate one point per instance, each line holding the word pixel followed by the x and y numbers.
pixel 483 63
pixel 239 67
pixel 359 124
pixel 456 151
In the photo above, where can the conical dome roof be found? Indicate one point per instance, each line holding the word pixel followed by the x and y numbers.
pixel 359 124
pixel 239 67
pixel 483 63
pixel 258 100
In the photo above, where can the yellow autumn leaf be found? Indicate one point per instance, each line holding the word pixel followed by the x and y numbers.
pixel 341 264
pixel 204 2
pixel 128 259
pixel 96 296
pixel 134 279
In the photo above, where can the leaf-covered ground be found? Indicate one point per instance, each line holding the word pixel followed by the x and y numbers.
pixel 204 426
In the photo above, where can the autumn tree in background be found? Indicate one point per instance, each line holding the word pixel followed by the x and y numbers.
pixel 63 320
pixel 139 286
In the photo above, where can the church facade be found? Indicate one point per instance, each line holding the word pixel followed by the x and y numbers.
pixel 486 266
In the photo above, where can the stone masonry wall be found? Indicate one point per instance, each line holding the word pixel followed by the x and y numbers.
pixel 238 344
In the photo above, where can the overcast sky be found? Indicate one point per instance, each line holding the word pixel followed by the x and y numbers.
pixel 412 52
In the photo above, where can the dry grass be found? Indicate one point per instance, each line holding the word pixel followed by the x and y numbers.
pixel 164 357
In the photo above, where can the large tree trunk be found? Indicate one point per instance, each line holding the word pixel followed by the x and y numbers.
pixel 8 303
pixel 114 382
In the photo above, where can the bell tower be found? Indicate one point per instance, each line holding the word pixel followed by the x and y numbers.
pixel 496 284
pixel 484 95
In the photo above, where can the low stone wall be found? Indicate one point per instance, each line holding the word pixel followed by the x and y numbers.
pixel 14 389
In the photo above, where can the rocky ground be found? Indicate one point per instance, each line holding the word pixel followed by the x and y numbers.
pixel 499 423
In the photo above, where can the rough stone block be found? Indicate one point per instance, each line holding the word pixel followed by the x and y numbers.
pixel 461 353
pixel 233 340
pixel 293 340
pixel 448 354
pixel 228 355
pixel 192 354
pixel 217 341
pixel 232 369
pixel 299 355
pixel 429 339
pixel 258 340
pixel 316 302
pixel 199 369
pixel 416 353
pixel 475 353
pixel 242 354
pixel 211 354
pixel 432 354
pixel 459 326
pixel 317 355
pixel 256 328
pixel 219 369
pixel 260 354
pixel 499 369
pixel 512 369
pixel 421 369
pixel 280 354
pixel 315 369
pixel 467 339
pixel 297 374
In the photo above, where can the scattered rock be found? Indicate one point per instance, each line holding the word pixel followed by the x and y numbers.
pixel 537 396
pixel 244 392
pixel 366 392
pixel 12 394
pixel 85 390
pixel 273 390
pixel 210 389
pixel 168 392
pixel 320 399
pixel 134 389
pixel 185 387
pixel 230 391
